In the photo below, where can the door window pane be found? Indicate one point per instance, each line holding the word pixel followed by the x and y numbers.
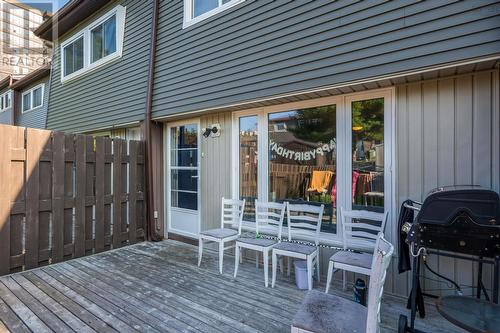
pixel 184 157
pixel 184 136
pixel 37 97
pixel 186 200
pixel 302 159
pixel 248 158
pixel 368 154
pixel 203 6
pixel 184 180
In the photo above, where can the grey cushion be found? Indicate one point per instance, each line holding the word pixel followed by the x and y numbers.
pixel 323 313
pixel 257 241
pixel 294 247
pixel 353 258
pixel 220 233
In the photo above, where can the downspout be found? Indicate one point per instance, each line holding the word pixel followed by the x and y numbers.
pixel 150 218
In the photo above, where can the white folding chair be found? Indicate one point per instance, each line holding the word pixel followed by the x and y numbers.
pixel 321 313
pixel 231 213
pixel 356 236
pixel 304 221
pixel 267 214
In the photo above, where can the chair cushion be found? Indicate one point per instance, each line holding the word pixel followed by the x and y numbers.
pixel 324 313
pixel 257 241
pixel 294 247
pixel 353 258
pixel 219 233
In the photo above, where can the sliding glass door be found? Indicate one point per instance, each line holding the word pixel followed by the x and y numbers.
pixel 334 152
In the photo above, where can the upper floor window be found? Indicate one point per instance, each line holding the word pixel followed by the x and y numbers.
pixel 98 43
pixel 5 100
pixel 32 98
pixel 198 10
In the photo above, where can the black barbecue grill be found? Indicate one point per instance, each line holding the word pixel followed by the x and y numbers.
pixel 464 221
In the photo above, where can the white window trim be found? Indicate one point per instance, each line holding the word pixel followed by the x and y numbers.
pixel 189 20
pixel 89 66
pixel 32 107
pixel 344 162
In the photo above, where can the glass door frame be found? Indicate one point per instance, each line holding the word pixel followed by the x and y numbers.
pixel 344 159
pixel 168 173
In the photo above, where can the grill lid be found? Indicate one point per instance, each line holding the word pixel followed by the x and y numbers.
pixel 444 204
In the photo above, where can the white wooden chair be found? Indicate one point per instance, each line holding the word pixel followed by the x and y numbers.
pixel 358 236
pixel 231 213
pixel 301 226
pixel 266 214
pixel 324 313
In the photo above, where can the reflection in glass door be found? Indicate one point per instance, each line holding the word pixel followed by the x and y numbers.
pixel 183 175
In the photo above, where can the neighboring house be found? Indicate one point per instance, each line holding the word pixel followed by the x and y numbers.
pixel 28 99
pixel 21 51
pixel 393 98
pixel 6 102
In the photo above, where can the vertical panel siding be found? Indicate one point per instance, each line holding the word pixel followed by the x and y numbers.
pixel 446 135
pixel 215 169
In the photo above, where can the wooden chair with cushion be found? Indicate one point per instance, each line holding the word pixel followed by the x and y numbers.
pixel 231 213
pixel 324 313
pixel 267 214
pixel 356 236
pixel 304 221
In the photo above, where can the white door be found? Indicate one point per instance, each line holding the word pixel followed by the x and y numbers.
pixel 183 181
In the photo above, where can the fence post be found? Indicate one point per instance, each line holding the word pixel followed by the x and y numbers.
pixel 5 201
pixel 132 197
pixel 99 194
pixel 80 196
pixel 58 179
pixel 117 192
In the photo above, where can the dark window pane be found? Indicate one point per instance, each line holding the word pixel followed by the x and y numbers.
pixel 248 164
pixel 37 97
pixel 184 137
pixel 110 36
pixel 203 6
pixel 184 180
pixel 68 60
pixel 184 157
pixel 302 159
pixel 26 102
pixel 97 43
pixel 186 200
pixel 78 54
pixel 368 154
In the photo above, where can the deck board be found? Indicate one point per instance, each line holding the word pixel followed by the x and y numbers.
pixel 157 287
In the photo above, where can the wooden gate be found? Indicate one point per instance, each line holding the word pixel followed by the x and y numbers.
pixel 65 196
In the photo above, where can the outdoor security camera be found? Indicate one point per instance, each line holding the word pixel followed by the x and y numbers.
pixel 212 131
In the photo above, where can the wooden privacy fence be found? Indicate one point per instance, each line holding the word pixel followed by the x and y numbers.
pixel 64 196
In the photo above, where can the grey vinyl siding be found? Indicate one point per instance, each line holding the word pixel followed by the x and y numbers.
pixel 113 94
pixel 37 117
pixel 6 115
pixel 264 48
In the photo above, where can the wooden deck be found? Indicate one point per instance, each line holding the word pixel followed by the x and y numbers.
pixel 157 287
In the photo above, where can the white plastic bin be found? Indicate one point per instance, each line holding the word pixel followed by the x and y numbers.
pixel 301 274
